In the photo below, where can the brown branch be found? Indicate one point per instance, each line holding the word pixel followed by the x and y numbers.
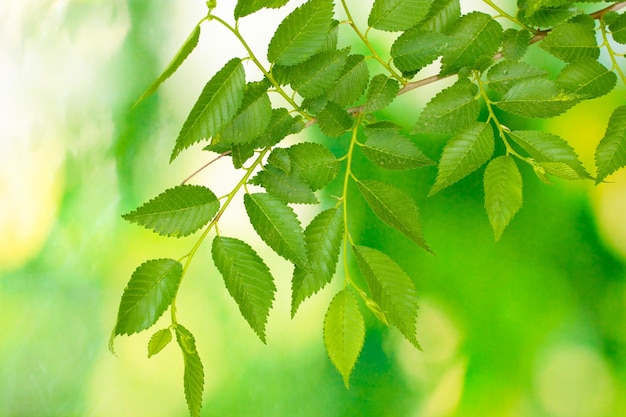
pixel 204 166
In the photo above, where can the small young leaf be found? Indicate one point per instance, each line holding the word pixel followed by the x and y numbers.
pixel 252 118
pixel 451 109
pixel 158 341
pixel 277 225
pixel 391 150
pixel 416 48
pixel 351 82
pixel 391 289
pixel 537 98
pixel 241 152
pixel 247 7
pixel 515 43
pixel 477 36
pixel 548 148
pixel 611 151
pixel 381 92
pixel 467 151
pixel 188 46
pixel 280 126
pixel 288 188
pixel 314 163
pixel 193 380
pixel 323 238
pixel 302 34
pixel 148 294
pixel 617 27
pixel 394 207
pixel 247 279
pixel 503 192
pixel 588 78
pixel 334 121
pixel 571 41
pixel 344 333
pixel 178 211
pixel 506 74
pixel 216 106
pixel 442 15
pixel 396 15
pixel 314 77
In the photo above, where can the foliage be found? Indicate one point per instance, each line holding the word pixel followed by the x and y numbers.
pixel 322 84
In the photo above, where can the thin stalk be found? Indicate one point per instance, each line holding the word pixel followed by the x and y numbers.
pixel 612 54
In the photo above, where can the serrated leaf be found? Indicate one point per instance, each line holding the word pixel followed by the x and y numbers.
pixel 216 106
pixel 323 238
pixel 515 43
pixel 571 41
pixel 504 75
pixel 588 78
pixel 252 118
pixel 390 150
pixel 314 163
pixel 503 192
pixel 315 76
pixel 344 333
pixel 537 98
pixel 381 92
pixel 302 33
pixel 334 121
pixel 442 14
pixel 396 15
pixel 543 15
pixel 277 225
pixel 381 126
pixel 247 279
pixel 617 26
pixel 467 151
pixel 391 288
pixel 241 152
pixel 247 7
pixel 611 151
pixel 158 341
pixel 148 294
pixel 288 188
pixel 416 48
pixel 547 148
pixel 280 126
pixel 476 36
pixel 178 211
pixel 193 379
pixel 351 83
pixel 188 46
pixel 451 109
pixel 395 208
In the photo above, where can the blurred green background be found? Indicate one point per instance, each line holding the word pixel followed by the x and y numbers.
pixel 534 325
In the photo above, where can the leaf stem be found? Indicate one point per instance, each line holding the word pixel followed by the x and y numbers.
pixel 612 54
pixel 506 15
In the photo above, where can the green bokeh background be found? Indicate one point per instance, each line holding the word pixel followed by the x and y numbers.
pixel 533 325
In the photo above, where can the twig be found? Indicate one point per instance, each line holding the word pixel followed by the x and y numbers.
pixel 205 166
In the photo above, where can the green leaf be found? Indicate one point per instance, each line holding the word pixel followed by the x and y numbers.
pixel 188 46
pixel 396 15
pixel 391 289
pixel 391 150
pixel 546 149
pixel 618 28
pixel 571 41
pixel 540 15
pixel 216 106
pixel 394 207
pixel 588 78
pixel 193 380
pixel 477 36
pixel 247 7
pixel 277 225
pixel 148 294
pixel 611 151
pixel 302 34
pixel 467 151
pixel 503 192
pixel 158 341
pixel 442 15
pixel 241 152
pixel 178 211
pixel 323 238
pixel 506 74
pixel 416 48
pixel 351 83
pixel 344 333
pixel 288 188
pixel 314 163
pixel 247 279
pixel 334 120
pixel 381 92
pixel 537 98
pixel 451 109
pixel 252 118
pixel 280 126
pixel 515 43
pixel 314 77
